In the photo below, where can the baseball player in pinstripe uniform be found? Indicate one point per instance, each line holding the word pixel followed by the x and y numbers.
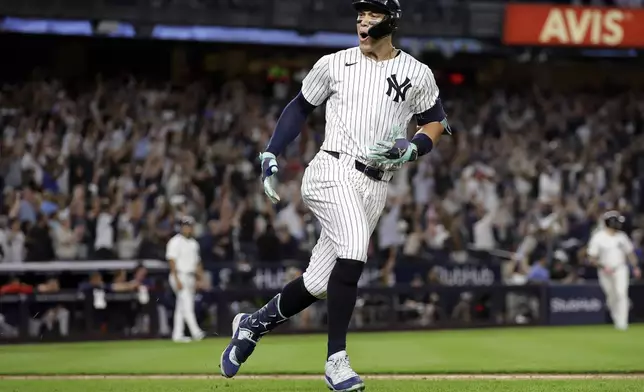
pixel 610 250
pixel 372 92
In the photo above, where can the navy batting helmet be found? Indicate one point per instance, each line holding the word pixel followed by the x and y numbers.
pixel 614 220
pixel 392 11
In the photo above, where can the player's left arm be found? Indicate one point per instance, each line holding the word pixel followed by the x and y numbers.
pixel 430 118
pixel 629 249
pixel 430 114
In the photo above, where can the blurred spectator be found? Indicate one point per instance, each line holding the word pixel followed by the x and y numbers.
pixel 12 242
pixel 483 230
pixel 110 165
pixel 390 236
pixel 268 246
pixel 242 275
pixel 287 243
pixel 15 286
pixel 216 244
pixel 539 272
pixel 66 239
pixel 46 315
pixel 129 235
pixel 40 246
pixel 425 309
pixel 103 222
pixel 462 312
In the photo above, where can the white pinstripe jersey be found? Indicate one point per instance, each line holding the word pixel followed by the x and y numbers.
pixel 368 101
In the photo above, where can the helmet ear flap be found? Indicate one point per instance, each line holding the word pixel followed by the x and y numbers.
pixel 386 27
pixel 389 25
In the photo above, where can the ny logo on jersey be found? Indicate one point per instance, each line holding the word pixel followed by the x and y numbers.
pixel 400 90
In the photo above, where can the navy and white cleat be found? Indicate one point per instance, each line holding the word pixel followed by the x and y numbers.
pixel 240 347
pixel 339 376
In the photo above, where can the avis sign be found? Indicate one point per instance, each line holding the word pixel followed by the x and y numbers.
pixel 568 26
pixel 546 25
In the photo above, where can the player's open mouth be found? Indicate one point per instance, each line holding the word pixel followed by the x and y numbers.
pixel 363 37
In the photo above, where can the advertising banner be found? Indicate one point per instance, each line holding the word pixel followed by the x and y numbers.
pixel 551 25
pixel 270 276
pixel 576 305
pixel 636 305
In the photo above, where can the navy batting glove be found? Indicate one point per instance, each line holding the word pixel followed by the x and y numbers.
pixel 269 168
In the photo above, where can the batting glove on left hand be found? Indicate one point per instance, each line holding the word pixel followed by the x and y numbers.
pixel 388 152
pixel 269 169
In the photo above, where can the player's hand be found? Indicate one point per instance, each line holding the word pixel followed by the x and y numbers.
pixel 269 169
pixel 637 272
pixel 607 270
pixel 179 285
pixel 393 152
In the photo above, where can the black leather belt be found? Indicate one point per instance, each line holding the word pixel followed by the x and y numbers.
pixel 369 171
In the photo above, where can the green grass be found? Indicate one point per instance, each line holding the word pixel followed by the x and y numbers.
pixel 306 386
pixel 521 350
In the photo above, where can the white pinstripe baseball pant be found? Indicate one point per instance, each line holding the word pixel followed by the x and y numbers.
pixel 348 205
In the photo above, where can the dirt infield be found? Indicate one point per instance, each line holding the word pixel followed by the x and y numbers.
pixel 639 376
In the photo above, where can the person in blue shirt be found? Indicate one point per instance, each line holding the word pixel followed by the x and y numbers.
pixel 539 273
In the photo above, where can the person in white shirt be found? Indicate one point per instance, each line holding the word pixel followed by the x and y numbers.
pixel 483 228
pixel 104 241
pixel 66 239
pixel 182 253
pixel 13 243
pixel 609 250
pixel 549 185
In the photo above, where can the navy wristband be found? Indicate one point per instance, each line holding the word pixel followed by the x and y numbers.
pixel 423 143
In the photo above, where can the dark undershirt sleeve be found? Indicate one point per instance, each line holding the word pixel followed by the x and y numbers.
pixel 290 124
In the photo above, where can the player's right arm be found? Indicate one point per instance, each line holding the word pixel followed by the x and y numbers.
pixel 316 88
pixel 592 251
pixel 171 254
pixel 629 249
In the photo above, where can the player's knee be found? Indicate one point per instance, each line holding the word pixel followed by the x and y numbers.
pixel 347 272
pixel 316 286
pixel 621 296
pixel 356 251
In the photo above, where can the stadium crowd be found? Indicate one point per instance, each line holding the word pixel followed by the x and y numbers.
pixel 103 172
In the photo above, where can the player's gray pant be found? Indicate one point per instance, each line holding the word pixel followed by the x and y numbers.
pixel 348 205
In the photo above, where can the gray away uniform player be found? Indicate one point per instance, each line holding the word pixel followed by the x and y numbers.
pixel 609 250
pixel 371 92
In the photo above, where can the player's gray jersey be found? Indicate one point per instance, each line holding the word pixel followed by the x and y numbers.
pixel 368 101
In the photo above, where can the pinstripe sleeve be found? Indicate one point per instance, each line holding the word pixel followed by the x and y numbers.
pixel 427 92
pixel 316 86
